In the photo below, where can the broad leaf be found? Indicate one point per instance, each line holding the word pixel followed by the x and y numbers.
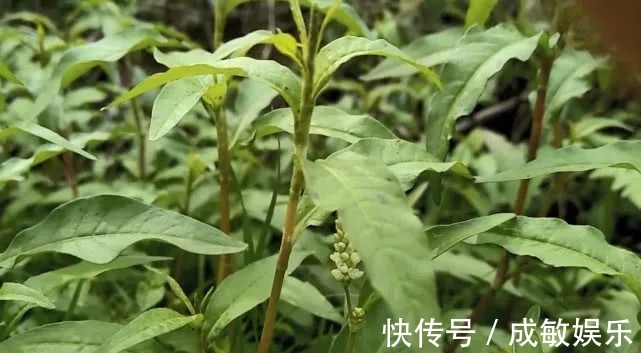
pixel 97 229
pixel 479 11
pixel 340 51
pixel 274 74
pixel 621 154
pixel 70 337
pixel 567 79
pixel 251 99
pixel 174 101
pixel 382 227
pixel 464 78
pixel 19 292
pixel 307 297
pixel 589 125
pixel 559 244
pixel 407 160
pixel 326 121
pixel 148 325
pixel 430 50
pixel 242 291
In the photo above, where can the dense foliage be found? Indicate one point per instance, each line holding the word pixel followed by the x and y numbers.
pixel 315 176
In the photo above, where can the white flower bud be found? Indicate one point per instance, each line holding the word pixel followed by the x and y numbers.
pixel 355 273
pixel 344 268
pixel 336 257
pixel 355 258
pixel 358 313
pixel 340 246
pixel 338 275
pixel 344 256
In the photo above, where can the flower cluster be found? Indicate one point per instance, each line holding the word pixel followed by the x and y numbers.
pixel 345 258
pixel 355 320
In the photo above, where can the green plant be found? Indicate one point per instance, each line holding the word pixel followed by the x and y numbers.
pixel 333 224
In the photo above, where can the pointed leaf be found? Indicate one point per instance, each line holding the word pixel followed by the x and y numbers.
pixel 443 237
pixel 148 325
pixel 430 50
pixel 407 160
pixel 97 229
pixel 382 227
pixel 621 154
pixel 70 337
pixel 326 121
pixel 340 51
pixel 174 101
pixel 251 99
pixel 464 78
pixel 20 292
pixel 307 297
pixel 274 74
pixel 46 134
pixel 5 72
pixel 242 291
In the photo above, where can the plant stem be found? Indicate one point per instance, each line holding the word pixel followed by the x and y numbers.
pixel 69 170
pixel 142 140
pixel 535 140
pixel 74 301
pixel 302 122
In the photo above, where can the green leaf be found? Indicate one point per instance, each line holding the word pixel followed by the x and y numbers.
pixel 251 99
pixel 277 76
pixel 430 50
pixel 621 154
pixel 340 51
pixel 13 168
pixel 20 292
pixel 175 288
pixel 148 325
pixel 559 244
pixel 97 229
pixel 174 101
pixel 307 297
pixel 46 134
pixel 326 121
pixel 567 79
pixel 443 237
pixel 5 72
pixel 533 314
pixel 78 60
pixel 215 94
pixel 479 11
pixel 464 78
pixel 70 337
pixel 589 125
pixel 242 291
pixel 407 160
pixel 382 227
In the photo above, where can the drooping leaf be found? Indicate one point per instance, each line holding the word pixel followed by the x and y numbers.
pixel 20 292
pixel 407 160
pixel 621 154
pixel 14 168
pixel 307 297
pixel 430 50
pixel 340 51
pixel 382 227
pixel 175 100
pixel 70 337
pixel 274 74
pixel 567 79
pixel 175 288
pixel 479 11
pixel 464 78
pixel 242 291
pixel 589 125
pixel 326 121
pixel 97 229
pixel 46 134
pixel 148 325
